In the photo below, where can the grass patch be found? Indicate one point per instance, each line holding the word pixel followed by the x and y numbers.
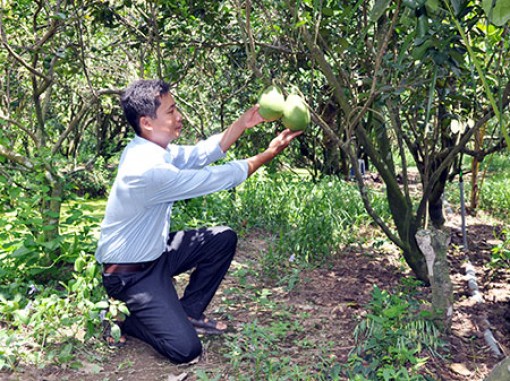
pixel 308 220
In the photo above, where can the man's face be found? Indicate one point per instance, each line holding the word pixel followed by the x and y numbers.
pixel 166 126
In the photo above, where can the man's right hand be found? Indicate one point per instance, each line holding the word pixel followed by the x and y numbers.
pixel 276 146
pixel 248 119
pixel 282 141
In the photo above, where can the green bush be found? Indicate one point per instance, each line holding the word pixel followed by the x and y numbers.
pixel 500 255
pixel 494 190
pixel 393 339
pixel 26 255
pixel 48 322
pixel 92 184
pixel 495 195
pixel 50 291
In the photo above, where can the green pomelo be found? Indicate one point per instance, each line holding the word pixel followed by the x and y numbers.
pixel 296 115
pixel 271 103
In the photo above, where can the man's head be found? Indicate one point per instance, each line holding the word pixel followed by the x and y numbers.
pixel 150 109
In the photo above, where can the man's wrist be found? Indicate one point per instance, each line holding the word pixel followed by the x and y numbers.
pixel 231 135
pixel 239 125
pixel 257 161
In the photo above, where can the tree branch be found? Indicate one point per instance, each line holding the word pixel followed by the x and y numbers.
pixel 15 157
pixel 326 68
pixel 481 154
pixel 460 146
pixel 73 123
pixel 17 57
pixel 248 37
pixel 19 125
pixel 377 66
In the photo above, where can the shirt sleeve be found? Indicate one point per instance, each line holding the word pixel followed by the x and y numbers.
pixel 168 183
pixel 197 156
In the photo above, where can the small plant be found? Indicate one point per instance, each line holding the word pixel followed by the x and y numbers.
pixel 495 196
pixel 257 354
pixel 392 340
pixel 501 253
pixel 47 324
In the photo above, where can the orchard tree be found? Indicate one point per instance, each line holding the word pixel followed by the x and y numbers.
pixel 55 114
pixel 404 87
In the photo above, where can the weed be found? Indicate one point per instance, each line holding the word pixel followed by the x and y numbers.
pixel 500 256
pixel 392 339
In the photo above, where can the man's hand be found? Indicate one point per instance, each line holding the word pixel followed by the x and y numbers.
pixel 281 142
pixel 248 119
pixel 276 146
pixel 251 118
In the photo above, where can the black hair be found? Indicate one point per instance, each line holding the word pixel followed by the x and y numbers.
pixel 142 98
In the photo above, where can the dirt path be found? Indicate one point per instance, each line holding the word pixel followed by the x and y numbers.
pixel 321 313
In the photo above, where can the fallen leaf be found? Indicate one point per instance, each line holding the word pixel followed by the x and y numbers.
pixel 180 377
pixel 460 369
pixel 90 368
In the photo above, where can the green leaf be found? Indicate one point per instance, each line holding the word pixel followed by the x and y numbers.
pixel 115 332
pixel 456 6
pixel 422 27
pixel 300 23
pixel 412 4
pixel 432 6
pixel 498 12
pixel 102 305
pixel 124 309
pixel 327 11
pixel 52 214
pixel 79 264
pixel 378 10
pixel 21 252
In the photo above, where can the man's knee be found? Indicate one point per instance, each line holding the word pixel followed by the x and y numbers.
pixel 223 239
pixel 230 237
pixel 183 352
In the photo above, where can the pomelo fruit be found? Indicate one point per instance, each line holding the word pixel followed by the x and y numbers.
pixel 296 115
pixel 271 103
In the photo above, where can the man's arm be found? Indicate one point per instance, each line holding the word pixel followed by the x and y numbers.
pixel 248 120
pixel 276 146
pixel 170 183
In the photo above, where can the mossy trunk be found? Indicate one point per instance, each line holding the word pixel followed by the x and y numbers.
pixel 404 219
pixel 501 371
pixel 436 201
pixel 434 245
pixel 50 212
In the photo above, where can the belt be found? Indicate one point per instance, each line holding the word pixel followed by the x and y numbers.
pixel 119 268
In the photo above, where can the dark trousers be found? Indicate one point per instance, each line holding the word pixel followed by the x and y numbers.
pixel 157 315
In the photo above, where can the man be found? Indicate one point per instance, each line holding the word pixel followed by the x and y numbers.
pixel 138 253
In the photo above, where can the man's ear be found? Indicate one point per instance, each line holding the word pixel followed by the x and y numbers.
pixel 145 123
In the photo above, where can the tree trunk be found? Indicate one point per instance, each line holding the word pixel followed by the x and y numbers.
pixel 50 212
pixel 333 161
pixel 405 222
pixel 436 201
pixel 434 244
pixel 501 371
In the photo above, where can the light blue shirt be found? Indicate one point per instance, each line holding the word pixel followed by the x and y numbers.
pixel 149 180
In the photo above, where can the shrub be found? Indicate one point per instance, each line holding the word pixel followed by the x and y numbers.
pixel 392 339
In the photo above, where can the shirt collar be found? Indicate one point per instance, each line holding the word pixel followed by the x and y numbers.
pixel 138 140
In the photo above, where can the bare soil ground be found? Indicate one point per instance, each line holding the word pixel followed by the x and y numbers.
pixel 329 302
